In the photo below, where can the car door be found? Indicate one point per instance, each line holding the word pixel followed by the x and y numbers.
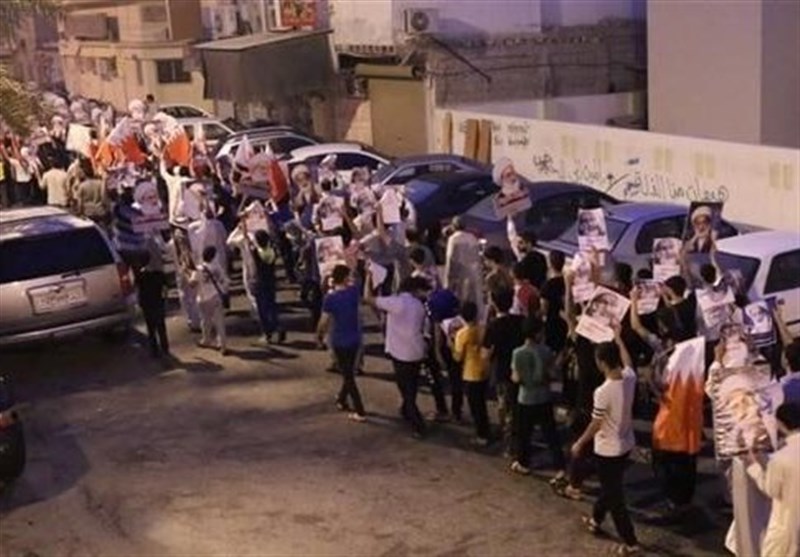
pixel 783 282
pixel 459 199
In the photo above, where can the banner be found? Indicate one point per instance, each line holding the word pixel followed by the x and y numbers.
pixel 678 426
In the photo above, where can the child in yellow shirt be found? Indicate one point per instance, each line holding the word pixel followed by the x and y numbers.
pixel 475 372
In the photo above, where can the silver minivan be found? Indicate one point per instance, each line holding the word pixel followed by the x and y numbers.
pixel 59 276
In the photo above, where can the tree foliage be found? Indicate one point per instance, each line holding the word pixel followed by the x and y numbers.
pixel 17 103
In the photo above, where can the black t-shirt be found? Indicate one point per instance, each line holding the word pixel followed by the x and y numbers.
pixel 503 336
pixel 553 291
pixel 534 267
pixel 687 314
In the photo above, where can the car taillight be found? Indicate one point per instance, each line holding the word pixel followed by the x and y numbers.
pixel 125 283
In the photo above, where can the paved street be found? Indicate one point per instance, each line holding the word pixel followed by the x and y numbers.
pixel 247 455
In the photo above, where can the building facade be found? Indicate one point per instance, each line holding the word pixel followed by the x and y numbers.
pixel 32 54
pixel 120 50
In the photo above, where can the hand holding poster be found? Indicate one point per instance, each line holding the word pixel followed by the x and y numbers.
pixel 151 214
pixel 758 322
pixel 666 258
pixel 330 252
pixel 700 231
pixel 605 310
pixel 582 285
pixel 592 232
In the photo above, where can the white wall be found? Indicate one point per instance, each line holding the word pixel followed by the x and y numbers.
pixel 587 12
pixel 759 185
pixel 362 22
pixel 476 17
pixel 588 109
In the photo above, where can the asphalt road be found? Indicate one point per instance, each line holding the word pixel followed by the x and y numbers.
pixel 246 455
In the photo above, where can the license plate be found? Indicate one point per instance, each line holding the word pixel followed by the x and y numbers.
pixel 59 297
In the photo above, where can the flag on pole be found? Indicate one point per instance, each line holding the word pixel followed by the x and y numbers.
pixel 177 146
pixel 243 155
pixel 120 146
pixel 678 426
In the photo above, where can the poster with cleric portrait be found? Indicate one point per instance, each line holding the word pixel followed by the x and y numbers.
pixel 604 310
pixel 758 322
pixel 743 401
pixel 330 253
pixel 649 296
pixel 592 231
pixel 513 196
pixel 582 284
pixel 666 258
pixel 151 214
pixel 702 222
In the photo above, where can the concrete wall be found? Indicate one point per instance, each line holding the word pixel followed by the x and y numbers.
pixel 471 17
pixel 759 185
pixel 704 69
pixel 358 22
pixel 587 12
pixel 780 67
pixel 588 109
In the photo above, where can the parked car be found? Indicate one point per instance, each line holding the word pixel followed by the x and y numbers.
pixel 279 140
pixel 554 208
pixel 213 130
pixel 404 169
pixel 12 436
pixel 632 227
pixel 767 263
pixel 184 111
pixel 348 157
pixel 60 277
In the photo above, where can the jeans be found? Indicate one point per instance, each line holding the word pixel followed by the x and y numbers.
pixel 530 415
pixel 678 475
pixel 476 398
pixel 346 362
pixel 407 376
pixel 151 300
pixel 267 307
pixel 610 472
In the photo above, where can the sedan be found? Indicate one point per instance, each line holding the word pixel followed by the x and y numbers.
pixel 632 227
pixel 440 197
pixel 404 169
pixel 348 157
pixel 554 208
pixel 767 264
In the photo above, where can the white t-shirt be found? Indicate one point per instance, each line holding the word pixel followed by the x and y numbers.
pixel 405 321
pixel 55 182
pixel 613 403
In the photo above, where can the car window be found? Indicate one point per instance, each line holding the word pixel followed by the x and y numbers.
pixel 614 228
pixel 742 269
pixel 419 190
pixel 349 161
pixel 548 218
pixel 467 194
pixel 189 130
pixel 30 257
pixel 283 145
pixel 184 112
pixel 440 167
pixel 784 274
pixel 214 132
pixel 725 230
pixel 671 227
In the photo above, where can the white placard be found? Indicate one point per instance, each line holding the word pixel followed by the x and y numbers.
pixel 604 309
pixel 592 231
pixel 390 207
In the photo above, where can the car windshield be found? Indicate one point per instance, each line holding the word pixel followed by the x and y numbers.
pixel 29 257
pixel 742 268
pixel 614 228
pixel 419 190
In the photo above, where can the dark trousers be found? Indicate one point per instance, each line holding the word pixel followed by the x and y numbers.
pixel 407 377
pixel 437 383
pixel 610 472
pixel 311 294
pixel 530 415
pixel 507 393
pixel 678 475
pixel 288 255
pixel 267 307
pixel 476 398
pixel 346 362
pixel 580 467
pixel 151 300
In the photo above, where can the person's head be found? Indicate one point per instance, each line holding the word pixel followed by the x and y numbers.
pixel 150 99
pixel 301 175
pixel 532 328
pixel 556 259
pixel 662 250
pixel 788 417
pixel 504 174
pixel 184 171
pixel 413 237
pixel 503 299
pixel 675 287
pixel 417 257
pixel 262 238
pixel 416 286
pixel 469 312
pixel 494 257
pixel 326 185
pixel 87 169
pixel 340 275
pixel 792 352
pixel 519 272
pixel 457 224
pixel 209 253
pixel 607 357
pixel 708 273
pixel 701 221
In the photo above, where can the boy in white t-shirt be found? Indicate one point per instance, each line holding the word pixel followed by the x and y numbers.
pixel 611 430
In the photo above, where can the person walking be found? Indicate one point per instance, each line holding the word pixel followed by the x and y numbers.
pixel 533 365
pixel 212 284
pixel 611 431
pixel 151 283
pixel 405 341
pixel 467 351
pixel 340 319
pixel 264 256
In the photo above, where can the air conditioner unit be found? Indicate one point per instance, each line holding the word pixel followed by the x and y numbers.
pixel 420 21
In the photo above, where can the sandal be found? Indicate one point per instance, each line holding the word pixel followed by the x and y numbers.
pixel 592 526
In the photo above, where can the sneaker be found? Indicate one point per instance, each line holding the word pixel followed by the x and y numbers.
pixel 356 417
pixel 518 468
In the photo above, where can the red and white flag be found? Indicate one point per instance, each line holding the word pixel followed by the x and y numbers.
pixel 120 146
pixel 177 146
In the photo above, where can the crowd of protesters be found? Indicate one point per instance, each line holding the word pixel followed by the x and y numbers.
pixel 496 328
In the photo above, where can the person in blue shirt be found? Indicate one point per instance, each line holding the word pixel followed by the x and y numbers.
pixel 341 323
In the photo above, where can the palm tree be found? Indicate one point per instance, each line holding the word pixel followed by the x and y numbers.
pixel 17 103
